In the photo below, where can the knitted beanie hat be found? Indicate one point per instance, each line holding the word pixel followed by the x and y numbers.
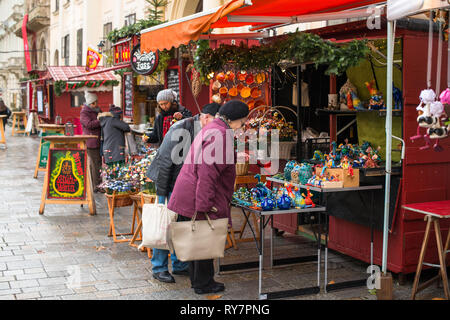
pixel 166 95
pixel 90 97
pixel 234 110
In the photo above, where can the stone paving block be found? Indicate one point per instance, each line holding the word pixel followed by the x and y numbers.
pixel 86 296
pixel 87 289
pixel 4 285
pixel 28 296
pixel 11 259
pixel 34 270
pixel 8 297
pixel 107 294
pixel 32 276
pixel 26 264
pixel 52 281
pixel 23 284
pixel 106 286
pixel 107 275
pixel 13 272
pixel 2 266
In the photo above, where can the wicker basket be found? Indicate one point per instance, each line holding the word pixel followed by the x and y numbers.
pixel 121 200
pixel 242 169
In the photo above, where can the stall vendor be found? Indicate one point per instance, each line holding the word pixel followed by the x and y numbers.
pixel 170 111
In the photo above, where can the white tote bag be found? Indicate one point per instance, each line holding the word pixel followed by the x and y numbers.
pixel 155 223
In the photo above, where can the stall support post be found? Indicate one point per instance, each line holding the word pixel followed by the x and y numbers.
pixel 386 285
pixel 299 120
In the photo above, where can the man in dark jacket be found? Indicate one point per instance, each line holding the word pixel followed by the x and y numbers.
pixel 113 133
pixel 164 170
pixel 91 126
pixel 170 111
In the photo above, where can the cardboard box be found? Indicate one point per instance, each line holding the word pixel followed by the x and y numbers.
pixel 329 184
pixel 343 175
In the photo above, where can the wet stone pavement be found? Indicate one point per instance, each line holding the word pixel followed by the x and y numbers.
pixel 66 253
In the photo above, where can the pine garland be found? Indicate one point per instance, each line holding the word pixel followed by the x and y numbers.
pixel 299 47
pixel 61 86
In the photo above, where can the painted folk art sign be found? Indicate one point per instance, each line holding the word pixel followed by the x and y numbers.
pixel 67 174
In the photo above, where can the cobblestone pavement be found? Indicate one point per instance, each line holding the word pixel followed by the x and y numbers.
pixel 40 255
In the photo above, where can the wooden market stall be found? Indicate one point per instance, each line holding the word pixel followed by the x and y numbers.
pixel 59 93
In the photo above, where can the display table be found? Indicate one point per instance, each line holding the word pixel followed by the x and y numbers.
pixel 45 129
pixel 247 181
pixel 434 212
pixel 68 179
pixel 2 131
pixel 138 203
pixel 328 212
pixel 19 116
pixel 264 218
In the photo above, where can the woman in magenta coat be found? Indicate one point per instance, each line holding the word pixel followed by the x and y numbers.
pixel 206 183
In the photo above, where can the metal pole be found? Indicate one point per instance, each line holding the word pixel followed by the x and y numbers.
pixel 390 52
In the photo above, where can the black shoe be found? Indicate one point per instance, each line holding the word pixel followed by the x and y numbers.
pixel 181 272
pixel 216 287
pixel 164 276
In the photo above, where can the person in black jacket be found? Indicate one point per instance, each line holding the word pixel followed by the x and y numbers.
pixel 170 111
pixel 164 171
pixel 113 133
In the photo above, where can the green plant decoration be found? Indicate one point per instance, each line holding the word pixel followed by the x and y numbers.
pixel 299 47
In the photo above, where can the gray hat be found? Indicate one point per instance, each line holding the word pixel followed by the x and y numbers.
pixel 166 95
pixel 90 97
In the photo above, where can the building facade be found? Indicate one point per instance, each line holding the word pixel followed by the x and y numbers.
pixel 11 53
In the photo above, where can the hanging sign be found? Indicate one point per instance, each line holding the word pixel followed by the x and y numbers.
pixel 93 59
pixel 144 63
pixel 67 174
pixel 122 52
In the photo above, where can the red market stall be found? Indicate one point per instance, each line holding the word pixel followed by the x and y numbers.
pixel 423 176
pixel 59 93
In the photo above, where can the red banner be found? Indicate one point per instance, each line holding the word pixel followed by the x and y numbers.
pixel 25 43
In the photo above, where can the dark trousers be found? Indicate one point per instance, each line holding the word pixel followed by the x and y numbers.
pixel 95 163
pixel 201 272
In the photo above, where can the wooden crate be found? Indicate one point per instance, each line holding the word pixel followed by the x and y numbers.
pixel 342 174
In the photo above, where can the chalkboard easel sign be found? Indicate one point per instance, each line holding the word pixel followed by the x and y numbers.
pixel 128 95
pixel 67 174
pixel 173 80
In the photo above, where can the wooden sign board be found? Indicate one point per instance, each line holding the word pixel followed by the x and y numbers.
pixel 67 174
pixel 128 95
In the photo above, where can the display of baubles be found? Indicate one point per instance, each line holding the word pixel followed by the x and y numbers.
pixel 217 98
pixel 216 85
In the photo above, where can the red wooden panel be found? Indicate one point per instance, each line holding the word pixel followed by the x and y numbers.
pixel 286 222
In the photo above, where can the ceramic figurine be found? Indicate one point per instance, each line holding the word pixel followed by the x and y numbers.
pixel 299 200
pixel 295 174
pixel 268 204
pixel 376 102
pixel 318 156
pixel 284 202
pixel 308 199
pixel 288 168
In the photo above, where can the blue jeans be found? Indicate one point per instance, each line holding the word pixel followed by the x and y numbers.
pixel 160 258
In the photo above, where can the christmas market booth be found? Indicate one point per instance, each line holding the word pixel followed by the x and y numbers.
pixel 58 94
pixel 341 108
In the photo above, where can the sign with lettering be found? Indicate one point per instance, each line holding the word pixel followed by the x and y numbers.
pixel 173 80
pixel 92 60
pixel 128 95
pixel 67 174
pixel 144 63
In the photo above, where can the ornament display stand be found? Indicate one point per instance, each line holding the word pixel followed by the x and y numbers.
pixel 17 118
pixel 119 201
pixel 138 203
pixel 2 132
pixel 44 129
pixel 66 142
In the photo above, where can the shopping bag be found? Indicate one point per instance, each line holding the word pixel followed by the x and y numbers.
pixel 198 239
pixel 156 218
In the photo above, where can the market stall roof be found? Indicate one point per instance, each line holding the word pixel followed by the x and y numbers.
pixel 181 31
pixel 77 73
